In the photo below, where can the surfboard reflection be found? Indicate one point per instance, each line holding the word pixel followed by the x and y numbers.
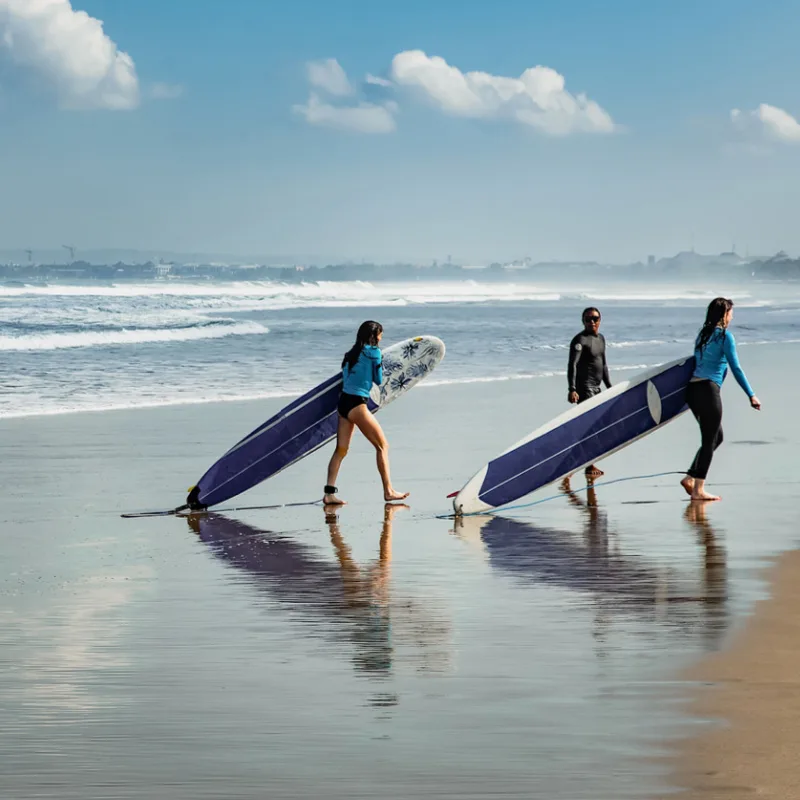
pixel 592 563
pixel 354 603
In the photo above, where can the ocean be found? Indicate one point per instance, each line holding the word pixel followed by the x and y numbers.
pixel 79 348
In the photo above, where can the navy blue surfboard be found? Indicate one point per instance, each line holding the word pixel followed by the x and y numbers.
pixel 579 437
pixel 308 423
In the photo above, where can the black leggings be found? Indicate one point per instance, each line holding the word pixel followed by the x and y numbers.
pixel 705 403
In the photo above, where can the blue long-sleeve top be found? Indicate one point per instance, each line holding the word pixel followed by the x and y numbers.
pixel 368 370
pixel 713 360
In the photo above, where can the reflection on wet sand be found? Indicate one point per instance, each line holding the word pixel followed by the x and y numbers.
pixel 75 645
pixel 352 602
pixel 593 563
pixel 715 565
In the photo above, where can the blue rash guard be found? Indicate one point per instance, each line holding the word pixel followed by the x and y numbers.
pixel 713 360
pixel 368 370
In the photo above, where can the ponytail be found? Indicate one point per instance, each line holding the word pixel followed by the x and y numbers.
pixel 715 318
pixel 367 335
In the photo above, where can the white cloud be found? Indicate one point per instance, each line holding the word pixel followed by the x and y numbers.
pixel 166 91
pixel 374 80
pixel 773 121
pixel 70 50
pixel 329 76
pixel 537 98
pixel 363 118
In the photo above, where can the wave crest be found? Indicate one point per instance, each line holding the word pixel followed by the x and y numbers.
pixel 61 341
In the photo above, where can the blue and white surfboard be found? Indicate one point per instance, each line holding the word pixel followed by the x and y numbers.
pixel 579 437
pixel 310 422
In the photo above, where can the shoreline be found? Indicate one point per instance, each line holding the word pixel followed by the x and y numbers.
pixel 624 371
pixel 747 703
pixel 292 394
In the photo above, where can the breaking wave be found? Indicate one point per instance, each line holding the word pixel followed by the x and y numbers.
pixel 60 341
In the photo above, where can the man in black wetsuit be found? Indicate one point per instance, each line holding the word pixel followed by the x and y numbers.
pixel 587 368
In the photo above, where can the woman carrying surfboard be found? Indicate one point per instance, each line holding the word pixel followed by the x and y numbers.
pixel 362 367
pixel 714 353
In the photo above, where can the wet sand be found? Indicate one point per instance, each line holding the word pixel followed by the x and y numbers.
pixel 749 693
pixel 294 654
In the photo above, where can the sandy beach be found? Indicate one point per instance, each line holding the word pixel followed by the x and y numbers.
pixel 288 654
pixel 748 694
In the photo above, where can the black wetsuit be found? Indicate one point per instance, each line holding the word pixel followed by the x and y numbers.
pixel 587 368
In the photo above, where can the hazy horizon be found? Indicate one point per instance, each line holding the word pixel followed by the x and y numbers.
pixel 102 256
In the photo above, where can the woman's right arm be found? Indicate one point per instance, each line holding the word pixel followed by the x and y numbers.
pixel 377 369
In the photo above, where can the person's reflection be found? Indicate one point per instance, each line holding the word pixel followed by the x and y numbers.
pixel 715 563
pixel 619 583
pixel 596 536
pixel 596 532
pixel 355 598
pixel 366 593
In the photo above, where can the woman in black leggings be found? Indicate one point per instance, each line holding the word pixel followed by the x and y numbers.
pixel 715 352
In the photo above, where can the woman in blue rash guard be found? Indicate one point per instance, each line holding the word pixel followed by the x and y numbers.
pixel 361 368
pixel 714 352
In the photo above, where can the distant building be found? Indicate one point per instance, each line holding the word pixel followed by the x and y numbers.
pixel 651 261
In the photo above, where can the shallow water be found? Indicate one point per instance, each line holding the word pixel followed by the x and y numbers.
pixel 286 654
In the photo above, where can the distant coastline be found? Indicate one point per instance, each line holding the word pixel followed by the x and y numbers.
pixel 689 264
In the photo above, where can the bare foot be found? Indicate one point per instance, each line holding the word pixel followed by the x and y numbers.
pixel 594 472
pixel 704 497
pixel 332 500
pixel 688 485
pixel 390 497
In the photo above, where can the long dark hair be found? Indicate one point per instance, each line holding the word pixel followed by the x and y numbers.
pixel 367 334
pixel 715 318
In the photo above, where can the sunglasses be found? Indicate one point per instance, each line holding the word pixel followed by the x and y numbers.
pixel 594 318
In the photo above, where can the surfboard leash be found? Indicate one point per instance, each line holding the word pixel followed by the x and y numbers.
pixel 504 509
pixel 174 512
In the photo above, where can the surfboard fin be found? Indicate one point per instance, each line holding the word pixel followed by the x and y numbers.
pixel 193 501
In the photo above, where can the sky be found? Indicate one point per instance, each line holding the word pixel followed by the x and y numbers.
pixel 392 131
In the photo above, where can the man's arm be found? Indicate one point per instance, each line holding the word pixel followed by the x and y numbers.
pixel 606 376
pixel 572 365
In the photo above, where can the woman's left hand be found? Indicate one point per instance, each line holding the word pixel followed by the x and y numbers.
pixel 755 403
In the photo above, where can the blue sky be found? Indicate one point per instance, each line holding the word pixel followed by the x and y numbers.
pixel 200 143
